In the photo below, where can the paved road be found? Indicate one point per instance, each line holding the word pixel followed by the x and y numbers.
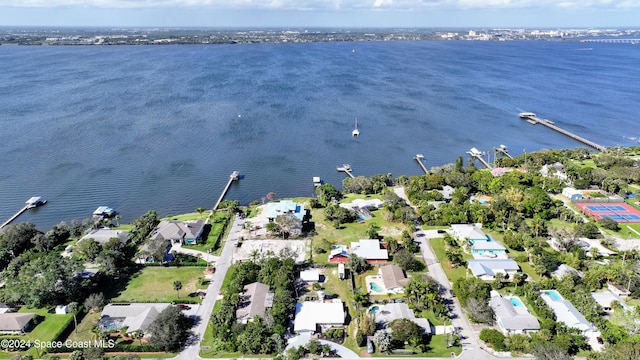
pixel 192 349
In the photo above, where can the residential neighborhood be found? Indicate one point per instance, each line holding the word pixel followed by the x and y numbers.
pixel 534 268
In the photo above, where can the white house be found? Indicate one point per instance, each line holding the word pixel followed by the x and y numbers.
pixel 133 316
pixel 102 236
pixel 487 269
pixel 384 314
pixel 370 249
pixel 572 194
pixel 310 275
pixel 511 315
pixel 565 312
pixel 314 316
pixel 468 232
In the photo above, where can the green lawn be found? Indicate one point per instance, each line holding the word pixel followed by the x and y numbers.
pixel 453 274
pixel 49 329
pixel 189 216
pixel 83 332
pixel 155 284
pixel 214 236
pixel 438 349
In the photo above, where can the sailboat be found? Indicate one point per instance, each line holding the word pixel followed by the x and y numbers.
pixel 355 131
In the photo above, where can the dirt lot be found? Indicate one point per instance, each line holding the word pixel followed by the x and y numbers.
pixel 250 248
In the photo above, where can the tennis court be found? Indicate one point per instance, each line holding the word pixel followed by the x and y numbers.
pixel 619 212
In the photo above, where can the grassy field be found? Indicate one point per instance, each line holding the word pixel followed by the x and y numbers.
pixel 218 223
pixel 155 284
pixel 83 332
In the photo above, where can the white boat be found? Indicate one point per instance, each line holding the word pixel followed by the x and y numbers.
pixel 355 131
pixel 525 115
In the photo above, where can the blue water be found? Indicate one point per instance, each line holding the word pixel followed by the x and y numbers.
pixel 375 287
pixel 374 309
pixel 162 127
pixel 553 295
pixel 515 301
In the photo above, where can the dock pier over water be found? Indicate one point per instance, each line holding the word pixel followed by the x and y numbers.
pixel 346 168
pixel 533 119
pixel 418 158
pixel 233 177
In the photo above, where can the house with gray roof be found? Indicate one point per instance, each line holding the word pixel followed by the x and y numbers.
pixel 512 316
pixel 563 270
pixel 393 278
pixel 15 323
pixel 133 316
pixel 254 301
pixel 102 236
pixel 385 314
pixel 370 249
pixel 565 312
pixel 487 269
pixel 469 233
pixel 179 232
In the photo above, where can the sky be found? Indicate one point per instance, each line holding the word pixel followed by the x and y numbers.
pixel 323 13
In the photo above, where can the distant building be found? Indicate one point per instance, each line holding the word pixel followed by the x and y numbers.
pixel 572 194
pixel 488 269
pixel 310 275
pixel 102 236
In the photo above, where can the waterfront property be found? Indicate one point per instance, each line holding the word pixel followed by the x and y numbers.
pixel 102 236
pixel 104 212
pixel 275 209
pixel 179 232
pixel 565 312
pixel 318 316
pixel 511 315
pixel 487 269
pixel 132 316
pixel 254 301
pixel 385 314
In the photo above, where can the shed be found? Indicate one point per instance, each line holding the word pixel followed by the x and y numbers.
pixel 62 309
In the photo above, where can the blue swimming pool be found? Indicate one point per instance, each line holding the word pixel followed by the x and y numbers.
pixel 515 301
pixel 374 309
pixel 554 295
pixel 375 287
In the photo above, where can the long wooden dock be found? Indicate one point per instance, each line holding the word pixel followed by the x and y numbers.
pixel 233 177
pixel 533 119
pixel 27 207
pixel 346 168
pixel 502 150
pixel 476 154
pixel 418 158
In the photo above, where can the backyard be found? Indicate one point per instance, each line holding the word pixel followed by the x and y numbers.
pixel 49 329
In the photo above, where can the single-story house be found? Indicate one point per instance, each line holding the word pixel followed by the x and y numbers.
pixel 564 270
pixel 295 211
pixel 512 316
pixel 446 192
pixel 605 299
pixel 471 233
pixel 254 301
pixel 310 275
pixel 370 249
pixel 133 316
pixel 384 314
pixel 15 323
pixel 179 232
pixel 393 278
pixel 572 194
pixel 618 290
pixel 565 312
pixel 364 204
pixel 487 269
pixel 102 236
pixel 490 248
pixel 146 253
pixel 314 316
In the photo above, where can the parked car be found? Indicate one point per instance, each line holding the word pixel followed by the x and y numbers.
pixel 183 307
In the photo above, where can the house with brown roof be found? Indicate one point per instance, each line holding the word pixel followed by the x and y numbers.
pixel 15 323
pixel 393 277
pixel 254 300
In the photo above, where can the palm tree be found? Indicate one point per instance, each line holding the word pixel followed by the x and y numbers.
pixel 177 285
pixel 200 211
pixel 73 308
pixel 118 218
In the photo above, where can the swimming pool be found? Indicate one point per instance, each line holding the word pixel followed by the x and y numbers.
pixel 373 286
pixel 554 295
pixel 374 309
pixel 515 301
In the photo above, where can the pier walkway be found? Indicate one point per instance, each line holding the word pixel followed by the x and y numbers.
pixel 418 158
pixel 476 154
pixel 233 177
pixel 346 168
pixel 27 207
pixel 531 118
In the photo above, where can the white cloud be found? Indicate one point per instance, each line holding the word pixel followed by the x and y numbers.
pixel 325 4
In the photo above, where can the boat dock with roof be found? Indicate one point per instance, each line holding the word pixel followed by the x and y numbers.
pixel 29 204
